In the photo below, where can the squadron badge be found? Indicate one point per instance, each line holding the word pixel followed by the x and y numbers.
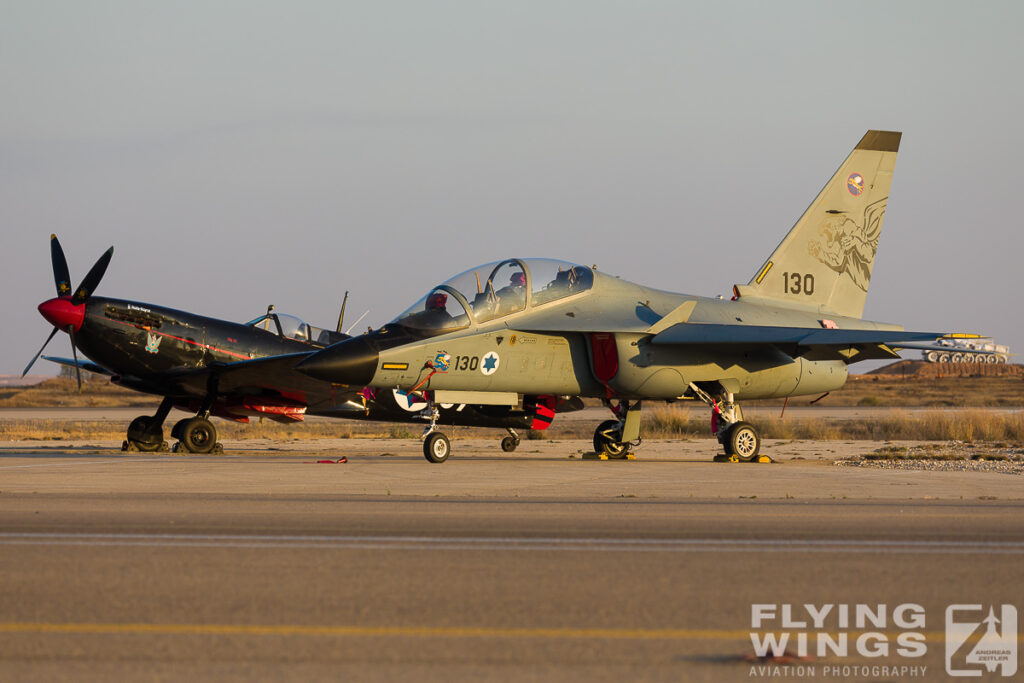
pixel 855 184
pixel 153 342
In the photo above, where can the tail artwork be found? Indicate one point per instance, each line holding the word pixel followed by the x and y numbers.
pixel 825 261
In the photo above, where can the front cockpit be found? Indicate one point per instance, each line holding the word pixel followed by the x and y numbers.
pixel 492 291
pixel 289 327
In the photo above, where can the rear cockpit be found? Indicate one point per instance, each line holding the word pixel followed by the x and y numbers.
pixel 494 290
pixel 290 327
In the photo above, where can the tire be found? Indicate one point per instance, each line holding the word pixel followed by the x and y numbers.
pixel 509 444
pixel 607 440
pixel 143 435
pixel 943 357
pixel 992 359
pixel 957 358
pixel 933 357
pixel 1002 360
pixel 743 441
pixel 198 435
pixel 436 447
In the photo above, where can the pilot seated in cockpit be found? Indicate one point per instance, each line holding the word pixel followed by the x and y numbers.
pixel 435 315
pixel 513 296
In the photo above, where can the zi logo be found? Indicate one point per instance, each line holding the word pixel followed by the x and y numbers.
pixel 975 641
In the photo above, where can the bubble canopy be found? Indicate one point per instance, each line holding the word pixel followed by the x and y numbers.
pixel 495 290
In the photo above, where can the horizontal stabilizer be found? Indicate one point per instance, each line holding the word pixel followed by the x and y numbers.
pixel 699 333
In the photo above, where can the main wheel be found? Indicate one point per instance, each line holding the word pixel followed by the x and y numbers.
pixel 509 444
pixel 933 357
pixel 436 447
pixel 944 358
pixel 144 435
pixel 743 441
pixel 197 435
pixel 608 439
pixel 956 358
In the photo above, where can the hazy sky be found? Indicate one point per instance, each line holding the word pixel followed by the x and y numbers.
pixel 238 154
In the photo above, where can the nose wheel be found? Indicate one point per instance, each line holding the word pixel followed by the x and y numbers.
pixel 436 447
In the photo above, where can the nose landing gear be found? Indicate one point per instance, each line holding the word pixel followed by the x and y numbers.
pixel 436 446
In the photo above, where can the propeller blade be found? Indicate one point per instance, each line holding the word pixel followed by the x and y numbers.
pixel 36 357
pixel 92 278
pixel 61 276
pixel 74 353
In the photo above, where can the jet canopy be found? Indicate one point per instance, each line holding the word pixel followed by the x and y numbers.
pixel 495 290
pixel 290 327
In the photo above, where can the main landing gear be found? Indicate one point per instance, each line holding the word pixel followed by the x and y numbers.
pixel 197 434
pixel 739 439
pixel 146 432
pixel 613 438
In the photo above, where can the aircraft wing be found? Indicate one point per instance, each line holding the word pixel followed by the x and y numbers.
pixel 268 375
pixel 86 365
pixel 752 335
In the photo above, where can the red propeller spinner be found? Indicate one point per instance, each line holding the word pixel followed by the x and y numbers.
pixel 60 312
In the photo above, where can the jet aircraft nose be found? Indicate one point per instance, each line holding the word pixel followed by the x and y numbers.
pixel 352 362
pixel 60 312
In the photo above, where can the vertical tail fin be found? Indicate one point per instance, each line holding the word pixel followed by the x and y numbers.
pixel 825 261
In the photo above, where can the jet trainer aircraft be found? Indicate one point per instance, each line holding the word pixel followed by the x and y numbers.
pixel 232 370
pixel 537 326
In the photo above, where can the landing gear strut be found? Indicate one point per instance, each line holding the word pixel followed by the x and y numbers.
pixel 612 438
pixel 739 439
pixel 197 434
pixel 510 442
pixel 146 432
pixel 436 446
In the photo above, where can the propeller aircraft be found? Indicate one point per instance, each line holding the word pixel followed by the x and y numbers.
pixel 235 371
pixel 522 327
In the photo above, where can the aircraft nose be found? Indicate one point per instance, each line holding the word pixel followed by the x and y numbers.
pixel 353 362
pixel 60 312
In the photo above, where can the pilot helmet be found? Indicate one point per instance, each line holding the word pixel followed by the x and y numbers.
pixel 436 300
pixel 518 279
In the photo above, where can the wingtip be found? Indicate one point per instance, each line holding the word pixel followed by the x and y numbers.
pixel 881 141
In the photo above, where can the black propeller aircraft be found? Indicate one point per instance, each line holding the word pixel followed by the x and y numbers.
pixel 235 371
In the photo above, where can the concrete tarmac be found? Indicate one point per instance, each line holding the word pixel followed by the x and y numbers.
pixel 265 565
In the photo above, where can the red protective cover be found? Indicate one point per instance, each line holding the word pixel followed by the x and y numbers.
pixel 606 356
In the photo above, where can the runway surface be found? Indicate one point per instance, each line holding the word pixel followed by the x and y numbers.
pixel 533 566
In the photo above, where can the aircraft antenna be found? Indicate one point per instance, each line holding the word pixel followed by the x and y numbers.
pixel 341 316
pixel 357 321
